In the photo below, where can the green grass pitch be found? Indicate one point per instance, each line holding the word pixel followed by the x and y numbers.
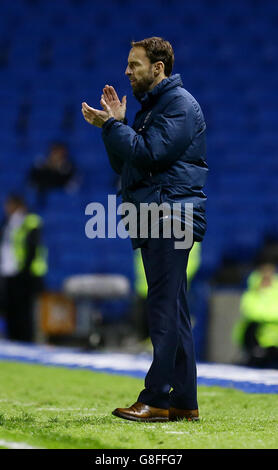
pixel 57 408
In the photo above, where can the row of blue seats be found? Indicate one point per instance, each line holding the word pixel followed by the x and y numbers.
pixel 74 257
pixel 139 17
pixel 226 229
pixel 56 105
pixel 240 248
pixel 136 27
pixel 88 63
pixel 100 179
pixel 168 4
pixel 223 144
pixel 16 89
pixel 85 81
pixel 56 100
pixel 92 156
pixel 230 135
pixel 265 121
pixel 264 196
pixel 63 45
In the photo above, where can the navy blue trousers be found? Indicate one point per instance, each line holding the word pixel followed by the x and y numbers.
pixel 171 379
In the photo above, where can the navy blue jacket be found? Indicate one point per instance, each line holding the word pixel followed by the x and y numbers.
pixel 162 157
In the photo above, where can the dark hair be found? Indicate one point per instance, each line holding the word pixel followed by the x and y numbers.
pixel 157 49
pixel 16 199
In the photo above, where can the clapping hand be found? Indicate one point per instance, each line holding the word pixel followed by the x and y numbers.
pixel 112 107
pixel 111 98
pixel 97 117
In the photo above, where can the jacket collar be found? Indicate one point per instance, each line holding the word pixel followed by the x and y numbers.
pixel 165 85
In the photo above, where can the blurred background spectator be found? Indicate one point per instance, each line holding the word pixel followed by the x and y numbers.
pixel 257 329
pixel 22 267
pixel 55 171
pixel 54 55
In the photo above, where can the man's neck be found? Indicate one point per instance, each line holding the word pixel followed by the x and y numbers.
pixel 157 81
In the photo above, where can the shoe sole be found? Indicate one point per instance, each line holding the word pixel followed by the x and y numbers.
pixel 142 420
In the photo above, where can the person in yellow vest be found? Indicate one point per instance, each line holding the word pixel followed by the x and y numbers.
pixel 257 329
pixel 141 288
pixel 22 267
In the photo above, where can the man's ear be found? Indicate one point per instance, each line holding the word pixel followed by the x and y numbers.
pixel 159 67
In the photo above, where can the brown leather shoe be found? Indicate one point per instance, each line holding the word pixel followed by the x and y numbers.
pixel 141 412
pixel 190 415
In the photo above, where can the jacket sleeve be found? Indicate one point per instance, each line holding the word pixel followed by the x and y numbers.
pixel 166 138
pixel 116 161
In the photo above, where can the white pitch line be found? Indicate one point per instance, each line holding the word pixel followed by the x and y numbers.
pixel 177 432
pixel 16 445
pixel 17 403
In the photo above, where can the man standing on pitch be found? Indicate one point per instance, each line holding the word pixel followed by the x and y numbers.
pixel 161 158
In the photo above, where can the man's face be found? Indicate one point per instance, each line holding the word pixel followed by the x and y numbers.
pixel 57 156
pixel 139 70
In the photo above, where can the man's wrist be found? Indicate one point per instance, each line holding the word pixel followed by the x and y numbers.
pixel 109 123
